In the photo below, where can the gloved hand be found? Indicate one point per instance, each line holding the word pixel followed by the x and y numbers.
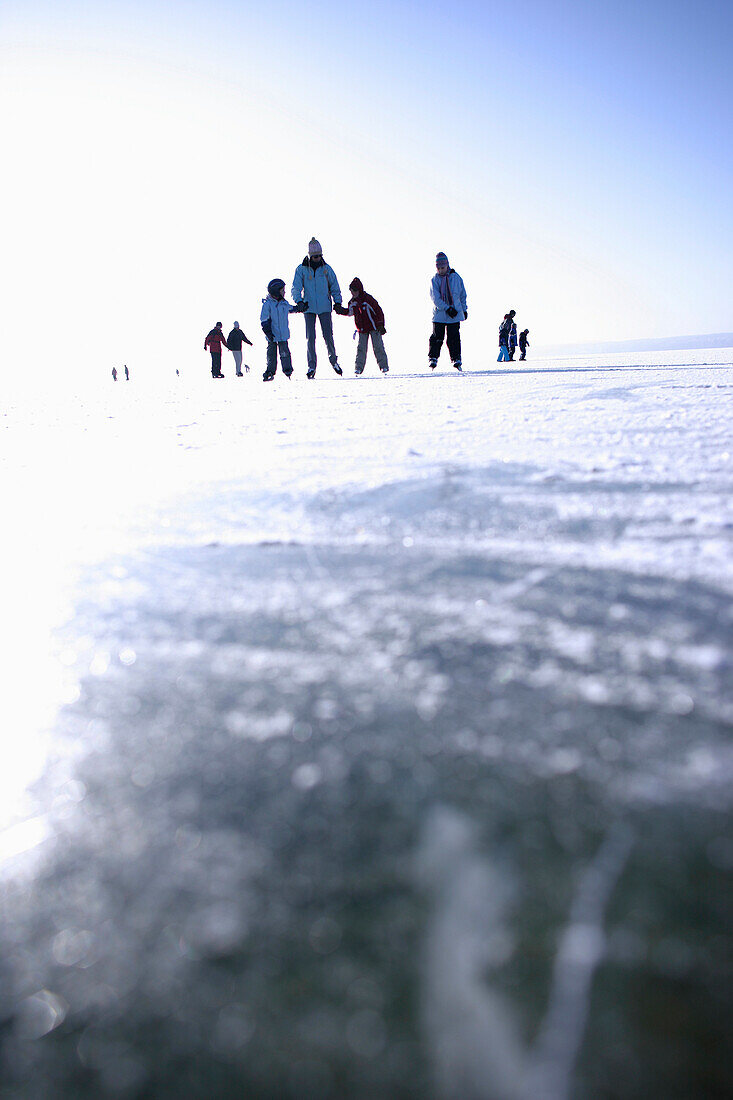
pixel 382 331
pixel 304 305
pixel 452 312
pixel 340 309
pixel 465 315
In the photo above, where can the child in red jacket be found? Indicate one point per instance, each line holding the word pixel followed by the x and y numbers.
pixel 369 319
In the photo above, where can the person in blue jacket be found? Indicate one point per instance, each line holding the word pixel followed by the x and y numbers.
pixel 505 329
pixel 448 295
pixel 316 285
pixel 274 319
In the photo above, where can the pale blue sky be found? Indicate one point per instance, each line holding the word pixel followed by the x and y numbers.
pixel 573 159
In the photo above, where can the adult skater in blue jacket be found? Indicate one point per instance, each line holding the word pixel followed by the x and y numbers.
pixel 316 285
pixel 448 295
pixel 274 320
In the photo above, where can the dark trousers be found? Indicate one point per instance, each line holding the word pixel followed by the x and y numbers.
pixel 285 360
pixel 512 352
pixel 327 329
pixel 215 364
pixel 523 353
pixel 454 340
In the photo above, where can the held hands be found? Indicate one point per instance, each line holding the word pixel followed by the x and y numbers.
pixel 340 309
pixel 301 307
pixel 382 331
pixel 452 312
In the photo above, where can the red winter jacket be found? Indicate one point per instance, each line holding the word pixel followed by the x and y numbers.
pixel 214 340
pixel 365 310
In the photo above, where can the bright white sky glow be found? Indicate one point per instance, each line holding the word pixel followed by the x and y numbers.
pixel 163 162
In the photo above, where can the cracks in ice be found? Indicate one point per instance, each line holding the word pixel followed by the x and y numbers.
pixel 474 1042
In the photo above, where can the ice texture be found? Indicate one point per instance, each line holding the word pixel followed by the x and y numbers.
pixel 363 732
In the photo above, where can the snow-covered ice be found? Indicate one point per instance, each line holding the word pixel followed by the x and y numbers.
pixel 293 669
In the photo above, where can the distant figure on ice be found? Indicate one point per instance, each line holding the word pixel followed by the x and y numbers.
pixel 214 342
pixel 114 374
pixel 315 284
pixel 274 317
pixel 504 330
pixel 448 295
pixel 235 339
pixel 127 374
pixel 523 343
pixel 369 320
pixel 512 340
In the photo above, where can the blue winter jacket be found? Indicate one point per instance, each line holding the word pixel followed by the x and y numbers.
pixel 458 294
pixel 277 313
pixel 513 335
pixel 316 287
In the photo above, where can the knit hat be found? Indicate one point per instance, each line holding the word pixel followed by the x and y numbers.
pixel 441 258
pixel 274 285
pixel 357 287
pixel 236 324
pixel 314 246
pixel 218 324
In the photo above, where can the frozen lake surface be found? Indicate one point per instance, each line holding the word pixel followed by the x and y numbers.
pixel 370 737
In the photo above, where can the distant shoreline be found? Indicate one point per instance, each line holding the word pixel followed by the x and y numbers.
pixel 666 343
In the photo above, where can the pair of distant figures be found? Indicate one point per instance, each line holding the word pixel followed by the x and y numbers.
pixel 216 339
pixel 508 339
pixel 114 373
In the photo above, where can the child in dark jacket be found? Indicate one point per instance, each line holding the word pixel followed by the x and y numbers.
pixel 369 320
pixel 235 339
pixel 523 343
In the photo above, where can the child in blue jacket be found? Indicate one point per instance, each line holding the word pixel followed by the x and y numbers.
pixel 274 320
